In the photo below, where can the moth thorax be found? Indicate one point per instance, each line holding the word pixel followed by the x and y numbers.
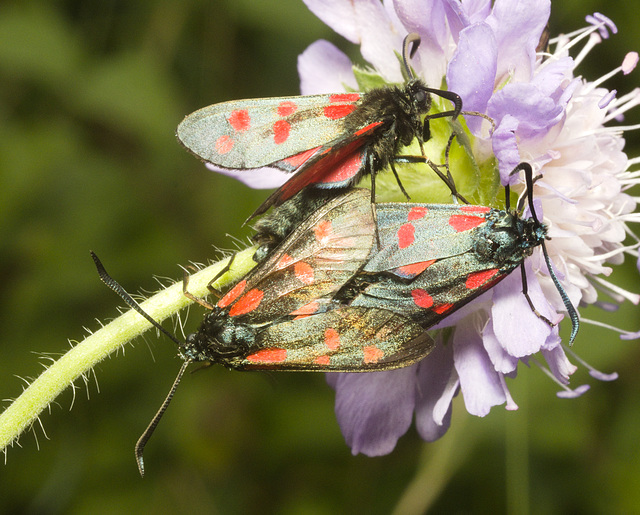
pixel 219 338
pixel 533 233
pixel 501 239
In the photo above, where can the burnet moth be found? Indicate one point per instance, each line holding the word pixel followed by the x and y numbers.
pixel 328 141
pixel 433 259
pixel 281 315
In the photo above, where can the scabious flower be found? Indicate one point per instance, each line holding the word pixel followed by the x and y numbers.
pixel 496 58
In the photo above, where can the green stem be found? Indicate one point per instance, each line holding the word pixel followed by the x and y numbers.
pixel 24 411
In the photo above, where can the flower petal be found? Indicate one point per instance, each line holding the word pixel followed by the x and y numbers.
pixel 479 382
pixel 367 23
pixel 518 25
pixel 559 364
pixel 256 178
pixel 502 361
pixel 437 385
pixel 511 312
pixel 324 68
pixel 463 14
pixel 472 70
pixel 375 409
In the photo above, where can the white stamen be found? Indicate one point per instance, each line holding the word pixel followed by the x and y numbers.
pixel 568 392
pixel 610 254
pixel 606 100
pixel 630 62
pixel 594 39
pixel 592 371
pixel 511 404
pixel 604 326
pixel 623 104
pixel 631 297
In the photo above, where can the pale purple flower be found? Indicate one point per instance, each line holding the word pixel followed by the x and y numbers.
pixel 545 114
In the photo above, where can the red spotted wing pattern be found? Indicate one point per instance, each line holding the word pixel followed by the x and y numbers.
pixel 329 141
pixel 431 264
pixel 281 315
pixel 346 339
pixel 434 259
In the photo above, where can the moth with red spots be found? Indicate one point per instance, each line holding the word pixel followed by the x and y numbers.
pixel 281 315
pixel 328 141
pixel 434 259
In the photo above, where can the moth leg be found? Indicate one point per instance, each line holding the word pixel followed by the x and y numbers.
pixel 448 180
pixel 525 291
pixel 224 270
pixel 395 174
pixel 370 160
pixel 217 293
pixel 191 296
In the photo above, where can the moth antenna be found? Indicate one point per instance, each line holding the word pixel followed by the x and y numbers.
pixel 571 310
pixel 146 435
pixel 507 198
pixel 122 293
pixel 411 40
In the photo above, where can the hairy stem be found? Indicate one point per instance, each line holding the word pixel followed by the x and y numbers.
pixel 24 411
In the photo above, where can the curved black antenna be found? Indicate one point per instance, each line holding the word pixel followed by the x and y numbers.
pixel 571 310
pixel 144 438
pixel 122 293
pixel 411 40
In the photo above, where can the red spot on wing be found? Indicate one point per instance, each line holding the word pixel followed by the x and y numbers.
pixel 322 360
pixel 372 354
pixel 224 144
pixel 341 105
pixel 268 356
pixel 306 310
pixel 332 339
pixel 465 222
pixel 303 272
pixel 247 303
pixel 335 112
pixel 442 308
pixel 232 294
pixel 415 268
pixel 281 130
pixel 344 170
pixel 323 230
pixel 287 108
pixel 475 209
pixel 417 212
pixel 330 165
pixel 344 97
pixel 406 235
pixel 240 120
pixel 367 128
pixel 298 159
pixel 283 262
pixel 478 279
pixel 421 298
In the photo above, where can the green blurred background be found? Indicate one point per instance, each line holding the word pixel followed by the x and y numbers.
pixel 90 95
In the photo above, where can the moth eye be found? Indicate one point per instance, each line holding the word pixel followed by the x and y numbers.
pixel 420 97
